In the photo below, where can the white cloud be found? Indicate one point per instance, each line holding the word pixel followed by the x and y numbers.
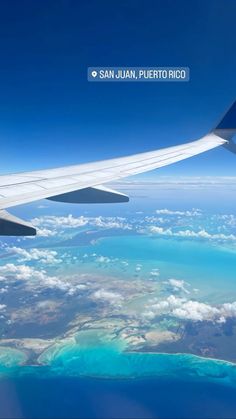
pixel 125 263
pixel 34 278
pixel 193 213
pixel 75 288
pixel 45 232
pixel 110 222
pixel 190 310
pixel 228 310
pixel 194 310
pixel 62 222
pixel 155 272
pixel 178 284
pixel 107 296
pixel 138 267
pixel 103 259
pixel 49 223
pixel 201 234
pixel 44 255
pixel 22 272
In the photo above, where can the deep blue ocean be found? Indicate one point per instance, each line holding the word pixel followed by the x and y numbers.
pixel 102 398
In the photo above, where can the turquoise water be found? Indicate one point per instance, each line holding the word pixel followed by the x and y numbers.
pixel 95 374
pixel 110 361
pixel 207 266
pixel 94 358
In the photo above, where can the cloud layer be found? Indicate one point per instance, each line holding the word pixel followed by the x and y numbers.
pixel 189 310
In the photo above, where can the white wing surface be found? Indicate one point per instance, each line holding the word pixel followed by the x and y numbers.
pixel 84 183
pixel 16 189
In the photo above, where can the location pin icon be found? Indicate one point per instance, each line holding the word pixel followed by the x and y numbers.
pixel 94 73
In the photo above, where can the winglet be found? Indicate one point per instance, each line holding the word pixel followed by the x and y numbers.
pixel 226 128
pixel 229 119
pixel 231 146
pixel 13 226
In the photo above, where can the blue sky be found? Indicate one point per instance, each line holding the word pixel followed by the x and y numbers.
pixel 51 115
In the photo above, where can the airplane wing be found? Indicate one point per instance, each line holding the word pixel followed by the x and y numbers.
pixel 84 183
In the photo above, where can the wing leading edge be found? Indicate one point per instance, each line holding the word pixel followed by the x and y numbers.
pixel 31 186
pixel 84 183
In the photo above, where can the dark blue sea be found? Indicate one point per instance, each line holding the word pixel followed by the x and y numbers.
pixel 28 397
